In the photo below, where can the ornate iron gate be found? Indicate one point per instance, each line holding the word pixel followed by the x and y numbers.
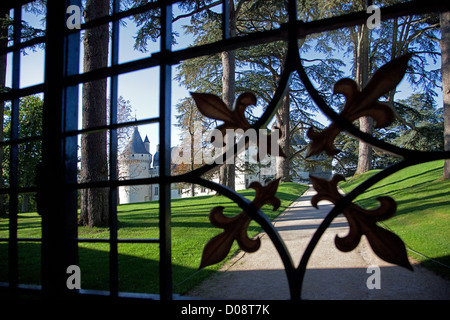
pixel 57 184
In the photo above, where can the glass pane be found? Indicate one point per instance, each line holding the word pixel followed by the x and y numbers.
pixel 29 221
pixel 29 263
pixel 138 268
pixel 195 23
pixel 140 35
pixel 94 265
pixel 137 41
pixel 141 90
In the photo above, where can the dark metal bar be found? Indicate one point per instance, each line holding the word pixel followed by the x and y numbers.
pixel 292 59
pixel 174 57
pixel 343 123
pixel 259 216
pixel 69 105
pixel 265 118
pixel 165 263
pixel 118 183
pixel 303 29
pixel 60 135
pixel 13 257
pixel 22 239
pixel 112 126
pixel 358 18
pixel 225 19
pixel 340 206
pixel 124 14
pixel 113 249
pixel 20 140
pixel 22 45
pixel 56 202
pixel 118 241
pixel 13 4
pixel 317 26
pixel 19 190
pixel 122 68
pixel 17 93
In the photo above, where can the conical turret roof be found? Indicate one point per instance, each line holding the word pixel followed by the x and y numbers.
pixel 136 144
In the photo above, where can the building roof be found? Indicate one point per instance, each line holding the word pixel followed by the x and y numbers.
pixel 136 144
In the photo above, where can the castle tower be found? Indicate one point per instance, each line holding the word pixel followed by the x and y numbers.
pixel 147 143
pixel 135 163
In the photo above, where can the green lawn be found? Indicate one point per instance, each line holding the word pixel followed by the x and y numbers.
pixel 422 219
pixel 138 263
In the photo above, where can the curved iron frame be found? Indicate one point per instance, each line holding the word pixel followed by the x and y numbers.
pixel 295 275
pixel 59 237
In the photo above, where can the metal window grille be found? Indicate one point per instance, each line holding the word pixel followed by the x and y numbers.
pixel 57 193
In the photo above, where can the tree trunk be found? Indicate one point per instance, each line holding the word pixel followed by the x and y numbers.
pixel 362 77
pixel 25 202
pixel 192 156
pixel 227 171
pixel 94 164
pixel 283 119
pixel 3 44
pixel 445 70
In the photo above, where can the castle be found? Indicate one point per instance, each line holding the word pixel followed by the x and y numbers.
pixel 137 162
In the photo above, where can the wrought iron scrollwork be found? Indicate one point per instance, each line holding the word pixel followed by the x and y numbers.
pixel 359 102
pixel 385 244
pixel 235 228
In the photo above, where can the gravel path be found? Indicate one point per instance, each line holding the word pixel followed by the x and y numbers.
pixel 331 274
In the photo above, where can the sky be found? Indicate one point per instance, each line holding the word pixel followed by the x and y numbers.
pixel 141 88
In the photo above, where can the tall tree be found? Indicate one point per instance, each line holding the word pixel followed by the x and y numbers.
pixel 259 69
pixel 264 66
pixel 373 48
pixel 362 49
pixel 227 171
pixel 445 70
pixel 361 52
pixel 418 126
pixel 149 30
pixel 193 125
pixel 124 114
pixel 94 164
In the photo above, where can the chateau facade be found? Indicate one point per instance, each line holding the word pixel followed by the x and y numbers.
pixel 137 162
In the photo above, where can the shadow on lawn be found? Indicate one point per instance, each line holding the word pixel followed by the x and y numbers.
pixel 431 190
pixel 424 173
pixel 192 213
pixel 423 203
pixel 325 284
pixel 138 272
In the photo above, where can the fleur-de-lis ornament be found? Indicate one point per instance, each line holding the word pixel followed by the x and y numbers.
pixel 235 228
pixel 360 103
pixel 233 117
pixel 386 245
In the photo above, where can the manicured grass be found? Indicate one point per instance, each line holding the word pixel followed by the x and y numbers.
pixel 422 219
pixel 138 263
